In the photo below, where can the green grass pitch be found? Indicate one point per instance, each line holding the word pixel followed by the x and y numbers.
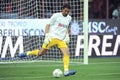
pixel 97 69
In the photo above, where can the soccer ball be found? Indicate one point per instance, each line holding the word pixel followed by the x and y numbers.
pixel 57 73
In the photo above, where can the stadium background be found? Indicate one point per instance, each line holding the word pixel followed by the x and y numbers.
pixel 103 31
pixel 100 24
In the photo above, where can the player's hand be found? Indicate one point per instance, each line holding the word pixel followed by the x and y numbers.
pixel 67 39
pixel 47 39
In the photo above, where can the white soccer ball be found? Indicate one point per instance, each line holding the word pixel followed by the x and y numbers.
pixel 57 73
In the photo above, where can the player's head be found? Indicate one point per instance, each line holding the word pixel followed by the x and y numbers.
pixel 65 9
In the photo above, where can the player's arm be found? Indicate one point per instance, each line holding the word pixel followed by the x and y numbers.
pixel 47 28
pixel 67 39
pixel 68 30
pixel 47 36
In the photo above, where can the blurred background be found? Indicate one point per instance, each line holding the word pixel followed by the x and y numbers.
pixel 29 17
pixel 98 9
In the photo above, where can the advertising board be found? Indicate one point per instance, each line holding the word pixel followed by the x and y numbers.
pixel 104 35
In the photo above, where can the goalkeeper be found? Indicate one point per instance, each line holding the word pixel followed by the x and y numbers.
pixel 57 33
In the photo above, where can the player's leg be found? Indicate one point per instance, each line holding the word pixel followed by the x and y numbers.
pixel 45 47
pixel 41 51
pixel 66 58
pixel 35 52
pixel 38 52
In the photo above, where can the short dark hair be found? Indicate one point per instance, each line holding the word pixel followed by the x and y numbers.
pixel 66 5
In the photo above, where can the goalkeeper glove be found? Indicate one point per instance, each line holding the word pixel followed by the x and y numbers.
pixel 67 39
pixel 47 39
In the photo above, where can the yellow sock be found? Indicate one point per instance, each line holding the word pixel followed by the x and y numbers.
pixel 66 59
pixel 33 52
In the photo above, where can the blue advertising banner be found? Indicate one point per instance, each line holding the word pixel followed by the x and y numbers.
pixel 97 26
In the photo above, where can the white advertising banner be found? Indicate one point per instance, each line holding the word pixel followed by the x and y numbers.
pixel 22 27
